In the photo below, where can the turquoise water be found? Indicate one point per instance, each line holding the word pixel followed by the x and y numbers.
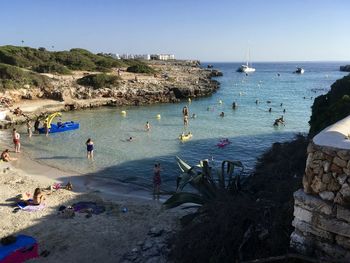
pixel 249 127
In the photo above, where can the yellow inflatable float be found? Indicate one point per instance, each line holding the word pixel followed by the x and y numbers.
pixel 123 112
pixel 158 116
pixel 185 137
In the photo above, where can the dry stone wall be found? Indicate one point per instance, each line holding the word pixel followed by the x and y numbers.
pixel 321 208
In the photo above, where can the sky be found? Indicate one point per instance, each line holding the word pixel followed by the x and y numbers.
pixel 208 30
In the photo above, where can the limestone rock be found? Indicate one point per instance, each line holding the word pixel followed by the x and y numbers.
pixel 338 199
pixel 346 171
pixel 326 166
pixel 326 178
pixel 310 148
pixel 336 169
pixel 333 185
pixel 343 213
pixel 344 154
pixel 318 155
pixel 327 195
pixel 339 162
pixel 342 179
pixel 317 185
pixel 309 228
pixel 312 203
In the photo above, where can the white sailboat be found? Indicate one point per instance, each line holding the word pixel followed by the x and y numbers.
pixel 245 68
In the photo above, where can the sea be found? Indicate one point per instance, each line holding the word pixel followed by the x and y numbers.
pixel 249 127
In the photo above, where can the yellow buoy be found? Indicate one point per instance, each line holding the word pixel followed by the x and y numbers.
pixel 189 100
pixel 220 101
pixel 158 116
pixel 123 112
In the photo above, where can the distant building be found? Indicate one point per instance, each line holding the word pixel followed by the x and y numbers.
pixel 136 56
pixel 162 56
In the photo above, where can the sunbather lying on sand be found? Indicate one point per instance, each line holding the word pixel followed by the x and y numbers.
pixel 38 197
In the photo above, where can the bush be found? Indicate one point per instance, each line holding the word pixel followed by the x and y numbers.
pixel 98 81
pixel 52 67
pixel 331 107
pixel 12 77
pixel 140 68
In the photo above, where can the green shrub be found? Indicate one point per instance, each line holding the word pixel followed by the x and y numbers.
pixel 12 77
pixel 141 68
pixel 98 81
pixel 52 67
pixel 331 107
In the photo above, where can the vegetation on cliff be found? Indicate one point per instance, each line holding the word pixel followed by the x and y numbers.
pixel 140 68
pixel 252 223
pixel 331 107
pixel 43 61
pixel 98 81
pixel 12 77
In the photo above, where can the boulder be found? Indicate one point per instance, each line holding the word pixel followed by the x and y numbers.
pixel 339 162
pixel 327 195
pixel 312 203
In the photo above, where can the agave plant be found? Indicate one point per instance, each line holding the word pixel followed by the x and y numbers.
pixel 201 178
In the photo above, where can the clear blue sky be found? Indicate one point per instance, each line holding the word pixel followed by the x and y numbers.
pixel 208 30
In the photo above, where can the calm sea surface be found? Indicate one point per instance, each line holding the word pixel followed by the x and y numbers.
pixel 249 127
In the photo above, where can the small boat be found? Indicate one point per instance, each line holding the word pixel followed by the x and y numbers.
pixel 223 143
pixel 185 137
pixel 299 71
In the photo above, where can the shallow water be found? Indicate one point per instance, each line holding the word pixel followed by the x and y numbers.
pixel 249 127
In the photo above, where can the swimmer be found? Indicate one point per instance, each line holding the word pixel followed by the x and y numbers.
pixel 284 110
pixel 130 139
pixel 270 110
pixel 257 101
pixel 281 104
pixel 234 105
pixel 185 120
pixel 222 114
pixel 147 126
pixel 194 116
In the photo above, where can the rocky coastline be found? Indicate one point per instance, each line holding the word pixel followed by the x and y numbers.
pixel 173 81
pixel 345 68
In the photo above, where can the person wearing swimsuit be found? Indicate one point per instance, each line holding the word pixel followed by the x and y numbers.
pixel 89 149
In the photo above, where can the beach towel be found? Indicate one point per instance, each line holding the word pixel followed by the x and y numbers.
pixel 30 208
pixel 83 207
pixel 24 248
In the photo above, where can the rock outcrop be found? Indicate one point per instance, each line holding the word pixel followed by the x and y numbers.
pixel 345 68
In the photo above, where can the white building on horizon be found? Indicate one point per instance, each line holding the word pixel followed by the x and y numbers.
pixel 162 56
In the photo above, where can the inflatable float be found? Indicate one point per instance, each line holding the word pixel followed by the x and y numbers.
pixel 185 137
pixel 60 126
pixel 223 143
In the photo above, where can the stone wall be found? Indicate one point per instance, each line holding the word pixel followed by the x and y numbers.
pixel 327 173
pixel 321 209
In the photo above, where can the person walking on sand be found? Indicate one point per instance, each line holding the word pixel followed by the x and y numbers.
pixel 29 128
pixel 147 126
pixel 156 180
pixel 16 141
pixel 89 149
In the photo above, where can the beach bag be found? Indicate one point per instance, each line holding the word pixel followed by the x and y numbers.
pixel 66 213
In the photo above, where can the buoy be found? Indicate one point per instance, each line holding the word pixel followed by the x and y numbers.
pixel 123 112
pixel 158 116
pixel 220 101
pixel 189 100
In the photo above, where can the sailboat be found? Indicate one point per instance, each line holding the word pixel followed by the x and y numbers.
pixel 245 68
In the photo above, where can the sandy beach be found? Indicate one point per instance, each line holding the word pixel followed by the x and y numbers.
pixel 112 236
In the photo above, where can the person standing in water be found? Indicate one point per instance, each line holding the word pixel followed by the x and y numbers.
pixel 186 120
pixel 16 141
pixel 29 128
pixel 89 149
pixel 147 126
pixel 156 180
pixel 185 111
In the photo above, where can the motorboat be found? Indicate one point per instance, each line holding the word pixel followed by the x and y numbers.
pixel 299 71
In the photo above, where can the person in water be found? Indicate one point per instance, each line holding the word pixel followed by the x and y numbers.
pixel 89 149
pixel 29 128
pixel 194 116
pixel 270 110
pixel 46 128
pixel 16 141
pixel 130 139
pixel 222 114
pixel 38 197
pixel 185 111
pixel 156 179
pixel 185 120
pixel 147 126
pixel 5 156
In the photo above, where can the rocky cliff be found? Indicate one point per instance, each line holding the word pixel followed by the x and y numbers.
pixel 345 68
